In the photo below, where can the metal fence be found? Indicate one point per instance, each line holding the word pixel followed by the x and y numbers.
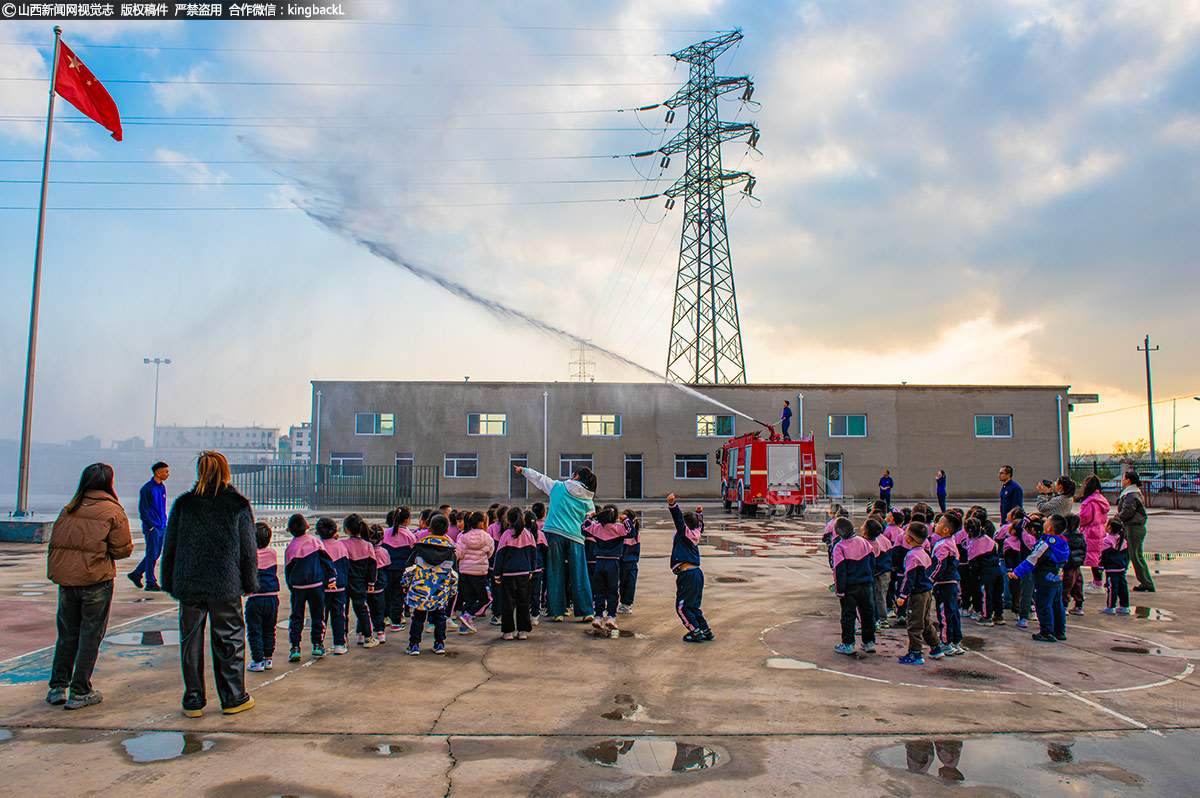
pixel 1164 476
pixel 303 486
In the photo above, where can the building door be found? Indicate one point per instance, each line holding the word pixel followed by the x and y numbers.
pixel 518 486
pixel 833 476
pixel 404 477
pixel 633 476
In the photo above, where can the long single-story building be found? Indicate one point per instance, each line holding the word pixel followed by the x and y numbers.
pixel 646 440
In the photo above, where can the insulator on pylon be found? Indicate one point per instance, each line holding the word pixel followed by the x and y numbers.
pixel 748 93
pixel 670 203
pixel 749 189
pixel 670 116
pixel 665 162
pixel 753 140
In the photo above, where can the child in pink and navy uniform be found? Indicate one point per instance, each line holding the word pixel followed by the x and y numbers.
pixel 854 577
pixel 881 547
pixel 689 579
pixel 262 608
pixel 308 570
pixel 983 562
pixel 398 541
pixel 335 593
pixel 608 534
pixel 945 579
pixel 361 577
pixel 916 592
pixel 377 593
pixel 1114 559
pixel 630 554
pixel 514 566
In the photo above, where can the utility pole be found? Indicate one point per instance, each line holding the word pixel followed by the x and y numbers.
pixel 706 337
pixel 1149 397
pixel 158 363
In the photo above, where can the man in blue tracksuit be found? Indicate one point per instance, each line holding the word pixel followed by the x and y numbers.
pixel 152 507
pixel 1046 563
pixel 885 489
pixel 570 502
pixel 785 421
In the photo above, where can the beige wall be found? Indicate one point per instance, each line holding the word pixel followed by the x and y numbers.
pixel 911 430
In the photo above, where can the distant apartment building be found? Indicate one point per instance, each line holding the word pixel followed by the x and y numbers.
pixel 239 444
pixel 301 438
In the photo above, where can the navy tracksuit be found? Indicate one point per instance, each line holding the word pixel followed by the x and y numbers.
pixel 944 576
pixel 689 579
pixel 262 608
pixel 630 554
pixel 1046 563
pixel 854 578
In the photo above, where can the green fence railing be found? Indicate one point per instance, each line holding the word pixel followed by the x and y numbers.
pixel 302 486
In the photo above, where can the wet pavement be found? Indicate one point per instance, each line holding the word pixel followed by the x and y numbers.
pixel 768 708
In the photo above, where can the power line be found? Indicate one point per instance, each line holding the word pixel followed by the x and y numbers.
pixel 295 126
pixel 285 51
pixel 318 209
pixel 318 185
pixel 1131 407
pixel 310 84
pixel 159 162
pixel 563 112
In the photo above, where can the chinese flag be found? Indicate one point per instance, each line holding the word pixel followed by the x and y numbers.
pixel 76 84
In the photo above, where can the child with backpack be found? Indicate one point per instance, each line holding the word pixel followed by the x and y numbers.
pixel 430 580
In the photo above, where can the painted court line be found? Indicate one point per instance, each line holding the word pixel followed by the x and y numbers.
pixel 1076 696
pixel 111 629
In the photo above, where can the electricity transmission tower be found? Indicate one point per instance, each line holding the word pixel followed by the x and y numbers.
pixel 582 365
pixel 706 339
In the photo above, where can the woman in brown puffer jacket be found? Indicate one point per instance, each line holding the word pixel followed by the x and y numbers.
pixel 90 535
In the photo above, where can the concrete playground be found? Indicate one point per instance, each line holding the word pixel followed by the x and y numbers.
pixel 768 708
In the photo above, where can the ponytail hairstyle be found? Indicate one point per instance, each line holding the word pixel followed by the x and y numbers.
pixel 502 516
pixel 453 519
pixel 607 514
pixel 634 521
pixel 973 527
pixel 400 517
pixel 97 476
pixel 1116 527
pixel 514 519
pixel 375 534
pixel 988 527
pixel 477 520
pixel 355 526
pixel 531 522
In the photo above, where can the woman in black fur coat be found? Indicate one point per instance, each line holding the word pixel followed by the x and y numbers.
pixel 209 561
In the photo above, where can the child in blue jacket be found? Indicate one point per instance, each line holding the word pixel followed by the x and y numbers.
pixel 1046 562
pixel 689 579
pixel 854 578
pixel 308 570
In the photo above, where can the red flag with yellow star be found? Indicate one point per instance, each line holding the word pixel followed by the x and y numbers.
pixel 76 84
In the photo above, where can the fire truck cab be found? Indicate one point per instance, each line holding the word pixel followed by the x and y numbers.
pixel 768 471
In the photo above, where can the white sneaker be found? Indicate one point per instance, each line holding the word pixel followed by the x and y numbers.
pixel 597 623
pixel 370 642
pixel 610 622
pixel 623 608
pixel 340 649
pixel 534 620
pixel 256 667
pixel 268 664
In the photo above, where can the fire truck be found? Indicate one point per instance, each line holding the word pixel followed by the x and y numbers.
pixel 768 471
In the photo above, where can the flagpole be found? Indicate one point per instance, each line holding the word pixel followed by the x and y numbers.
pixel 27 418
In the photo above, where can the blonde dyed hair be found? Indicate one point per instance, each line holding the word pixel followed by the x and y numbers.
pixel 212 473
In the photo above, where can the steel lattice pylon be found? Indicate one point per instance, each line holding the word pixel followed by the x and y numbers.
pixel 706 338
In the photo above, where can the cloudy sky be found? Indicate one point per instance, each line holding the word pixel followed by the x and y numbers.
pixel 990 192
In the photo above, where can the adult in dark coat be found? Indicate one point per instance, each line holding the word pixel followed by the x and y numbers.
pixel 209 561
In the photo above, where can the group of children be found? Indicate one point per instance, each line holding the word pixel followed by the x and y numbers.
pixel 449 571
pixel 908 568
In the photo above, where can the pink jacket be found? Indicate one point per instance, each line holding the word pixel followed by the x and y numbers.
pixel 475 549
pixel 1093 513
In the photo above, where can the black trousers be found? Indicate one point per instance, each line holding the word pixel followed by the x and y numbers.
pixel 395 595
pixel 314 599
pixel 473 596
pixel 858 600
pixel 992 581
pixel 416 626
pixel 335 615
pixel 228 643
pixel 262 613
pixel 606 578
pixel 689 592
pixel 375 604
pixel 629 572
pixel 516 604
pixel 362 614
pixel 82 621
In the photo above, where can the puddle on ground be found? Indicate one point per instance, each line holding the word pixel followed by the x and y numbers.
pixel 654 757
pixel 1151 614
pixel 731 579
pixel 385 749
pixel 613 634
pixel 973 643
pixel 157 746
pixel 789 664
pixel 43 584
pixel 152 637
pixel 1094 766
pixel 5 734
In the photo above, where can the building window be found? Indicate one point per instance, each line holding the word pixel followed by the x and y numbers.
pixel 487 423
pixel 710 426
pixel 848 426
pixel 691 466
pixel 568 464
pixel 993 426
pixel 605 424
pixel 462 464
pixel 374 423
pixel 346 464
